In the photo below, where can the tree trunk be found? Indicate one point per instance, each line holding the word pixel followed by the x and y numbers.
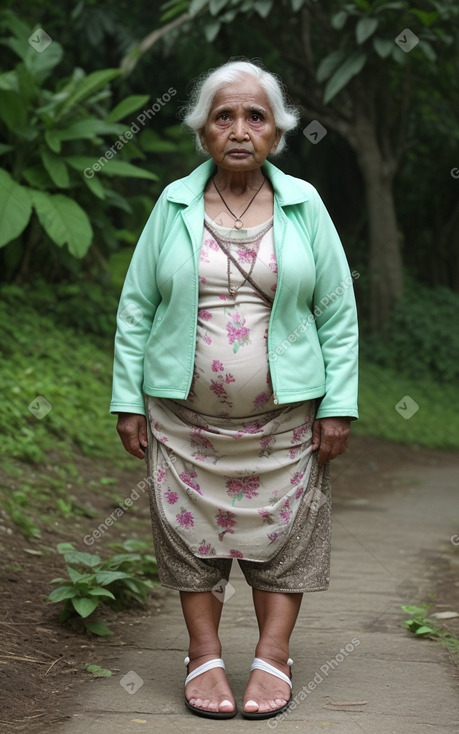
pixel 385 260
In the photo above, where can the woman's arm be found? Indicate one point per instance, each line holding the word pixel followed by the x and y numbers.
pixel 139 300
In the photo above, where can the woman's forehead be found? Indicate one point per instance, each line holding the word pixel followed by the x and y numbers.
pixel 245 93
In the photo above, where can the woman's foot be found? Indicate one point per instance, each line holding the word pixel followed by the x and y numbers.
pixel 265 692
pixel 210 691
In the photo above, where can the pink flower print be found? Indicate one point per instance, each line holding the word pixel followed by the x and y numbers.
pixel 205 549
pixel 185 519
pixel 217 366
pixel 158 432
pixel 229 378
pixel 297 477
pixel 188 479
pixel 160 474
pixel 266 445
pixel 204 315
pixel 286 512
pixel 274 287
pixel 238 334
pixel 236 554
pixel 250 428
pixel 208 244
pixel 226 520
pixel 223 297
pixel 203 280
pixel 299 492
pixel 207 338
pixel 171 497
pixel 299 433
pixel 241 487
pixel 266 515
pixel 246 255
pixel 218 389
pixel 197 440
pixel 261 399
pixel 272 537
pixel 273 263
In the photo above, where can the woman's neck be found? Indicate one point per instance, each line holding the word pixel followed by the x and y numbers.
pixel 238 182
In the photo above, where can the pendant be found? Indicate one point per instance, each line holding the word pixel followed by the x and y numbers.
pixel 238 224
pixel 232 291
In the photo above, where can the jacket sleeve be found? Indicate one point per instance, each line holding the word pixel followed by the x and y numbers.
pixel 139 300
pixel 335 316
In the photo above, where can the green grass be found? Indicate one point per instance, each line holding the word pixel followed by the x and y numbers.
pixel 42 359
pixel 435 424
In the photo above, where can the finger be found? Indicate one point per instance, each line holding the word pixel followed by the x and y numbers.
pixel 143 440
pixel 316 432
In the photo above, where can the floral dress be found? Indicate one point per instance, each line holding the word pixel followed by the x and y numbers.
pixel 232 466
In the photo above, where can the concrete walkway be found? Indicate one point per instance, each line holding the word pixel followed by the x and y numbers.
pixel 348 645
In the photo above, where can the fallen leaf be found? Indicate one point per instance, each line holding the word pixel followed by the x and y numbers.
pixel 445 615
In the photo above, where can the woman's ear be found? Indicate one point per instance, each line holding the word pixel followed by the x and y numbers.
pixel 202 140
pixel 276 140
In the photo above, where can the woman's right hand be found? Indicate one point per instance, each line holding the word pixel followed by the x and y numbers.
pixel 132 429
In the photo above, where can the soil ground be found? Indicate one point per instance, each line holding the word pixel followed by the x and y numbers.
pixel 43 663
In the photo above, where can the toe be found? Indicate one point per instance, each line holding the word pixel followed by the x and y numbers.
pixel 226 706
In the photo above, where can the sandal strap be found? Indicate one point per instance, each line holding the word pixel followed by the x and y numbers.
pixel 259 664
pixel 215 663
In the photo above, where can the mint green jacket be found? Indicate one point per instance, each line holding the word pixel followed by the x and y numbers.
pixel 312 334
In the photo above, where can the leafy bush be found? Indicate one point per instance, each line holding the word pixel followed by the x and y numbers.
pixel 53 135
pixel 119 581
pixel 421 339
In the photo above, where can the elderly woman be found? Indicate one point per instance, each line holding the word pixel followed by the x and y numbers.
pixel 236 364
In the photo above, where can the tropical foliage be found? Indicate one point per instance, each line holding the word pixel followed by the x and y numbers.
pixel 58 157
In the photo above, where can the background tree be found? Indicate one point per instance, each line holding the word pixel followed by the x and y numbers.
pixel 359 69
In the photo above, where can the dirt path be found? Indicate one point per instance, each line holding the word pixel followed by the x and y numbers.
pixel 395 509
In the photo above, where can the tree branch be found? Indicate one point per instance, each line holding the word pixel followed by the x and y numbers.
pixel 130 60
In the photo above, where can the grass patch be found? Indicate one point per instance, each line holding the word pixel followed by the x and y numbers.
pixel 435 422
pixel 423 625
pixel 63 373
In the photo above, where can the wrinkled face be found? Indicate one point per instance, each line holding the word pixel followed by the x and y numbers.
pixel 240 131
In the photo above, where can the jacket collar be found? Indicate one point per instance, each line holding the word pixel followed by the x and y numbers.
pixel 287 189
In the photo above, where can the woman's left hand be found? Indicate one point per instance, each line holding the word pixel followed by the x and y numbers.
pixel 331 437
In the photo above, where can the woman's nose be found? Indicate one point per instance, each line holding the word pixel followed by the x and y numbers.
pixel 239 129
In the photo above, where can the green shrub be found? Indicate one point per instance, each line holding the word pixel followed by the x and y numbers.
pixel 421 339
pixel 119 581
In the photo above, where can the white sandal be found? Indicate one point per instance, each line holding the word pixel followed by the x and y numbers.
pixel 215 663
pixel 260 664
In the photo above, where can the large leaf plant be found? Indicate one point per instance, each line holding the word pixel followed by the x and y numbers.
pixel 50 135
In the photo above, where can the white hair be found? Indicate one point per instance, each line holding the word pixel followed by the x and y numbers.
pixel 286 117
